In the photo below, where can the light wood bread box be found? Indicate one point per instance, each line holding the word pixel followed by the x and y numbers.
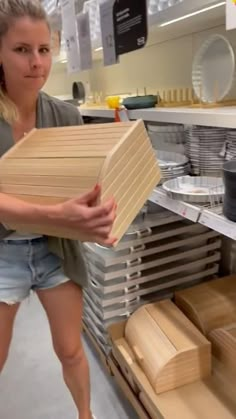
pixel 224 346
pixel 213 396
pixel 211 305
pixel 51 165
pixel 164 344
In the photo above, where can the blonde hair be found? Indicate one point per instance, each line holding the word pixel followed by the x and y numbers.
pixel 9 11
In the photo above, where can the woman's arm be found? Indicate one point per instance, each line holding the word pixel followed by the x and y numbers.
pixel 82 214
pixel 17 211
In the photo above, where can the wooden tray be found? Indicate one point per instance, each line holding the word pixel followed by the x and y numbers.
pixel 51 165
pixel 211 305
pixel 161 341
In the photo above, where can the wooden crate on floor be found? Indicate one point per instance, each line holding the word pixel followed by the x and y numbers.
pixel 52 165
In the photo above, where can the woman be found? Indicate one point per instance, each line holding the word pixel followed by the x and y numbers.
pixel 26 262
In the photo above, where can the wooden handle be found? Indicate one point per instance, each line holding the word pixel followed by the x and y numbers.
pixel 138 353
pixel 125 355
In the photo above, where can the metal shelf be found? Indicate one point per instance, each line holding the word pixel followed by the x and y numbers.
pixel 209 217
pixel 218 222
pixel 184 209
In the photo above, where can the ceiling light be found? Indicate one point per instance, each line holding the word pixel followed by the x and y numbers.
pixel 198 12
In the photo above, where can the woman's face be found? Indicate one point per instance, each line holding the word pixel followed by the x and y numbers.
pixel 25 55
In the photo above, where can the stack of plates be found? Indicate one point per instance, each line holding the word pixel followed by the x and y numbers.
pixel 231 145
pixel 205 150
pixel 172 164
pixel 167 137
pixel 156 256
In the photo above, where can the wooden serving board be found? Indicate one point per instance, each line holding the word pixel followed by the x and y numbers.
pixel 55 164
pixel 211 305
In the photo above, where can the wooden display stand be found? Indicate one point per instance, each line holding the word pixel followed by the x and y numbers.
pixel 51 165
pixel 186 97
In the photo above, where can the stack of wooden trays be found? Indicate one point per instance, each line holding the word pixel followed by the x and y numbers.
pixel 157 255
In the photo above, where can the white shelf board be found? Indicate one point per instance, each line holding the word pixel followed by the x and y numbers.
pixel 217 117
pixel 219 223
pixel 191 212
pixel 97 112
pixel 181 9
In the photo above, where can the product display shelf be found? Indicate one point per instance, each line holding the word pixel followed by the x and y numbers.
pixel 214 117
pixel 210 217
pixel 180 9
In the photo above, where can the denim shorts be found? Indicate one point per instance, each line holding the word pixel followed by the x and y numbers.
pixel 27 265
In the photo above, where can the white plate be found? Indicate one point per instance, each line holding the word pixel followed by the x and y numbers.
pixel 213 70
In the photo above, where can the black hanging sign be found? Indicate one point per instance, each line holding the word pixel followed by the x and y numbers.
pixel 130 24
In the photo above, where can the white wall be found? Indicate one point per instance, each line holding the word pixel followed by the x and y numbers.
pixel 60 82
pixel 161 65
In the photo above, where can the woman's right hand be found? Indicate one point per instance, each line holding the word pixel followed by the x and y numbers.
pixel 85 215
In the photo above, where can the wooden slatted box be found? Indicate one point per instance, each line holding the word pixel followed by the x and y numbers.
pixel 51 165
pixel 159 342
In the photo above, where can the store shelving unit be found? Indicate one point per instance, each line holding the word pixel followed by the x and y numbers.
pixel 209 217
pixel 179 10
pixel 224 117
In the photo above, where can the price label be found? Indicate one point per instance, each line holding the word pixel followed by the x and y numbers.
pixel 85 45
pixel 71 35
pixel 230 14
pixel 108 34
pixel 131 25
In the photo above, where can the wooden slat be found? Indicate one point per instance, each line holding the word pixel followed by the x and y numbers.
pixel 59 181
pixel 51 167
pixel 120 149
pixel 131 158
pixel 89 128
pixel 73 141
pixel 84 136
pixel 125 177
pixel 43 190
pixel 38 148
pixel 135 202
pixel 28 154
pixel 41 200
